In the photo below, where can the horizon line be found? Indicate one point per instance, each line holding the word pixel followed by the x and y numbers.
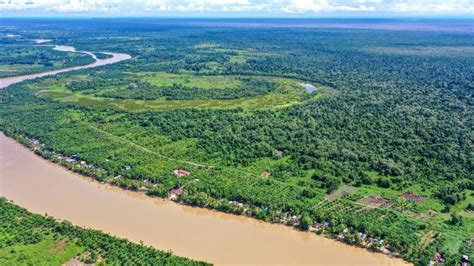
pixel 79 16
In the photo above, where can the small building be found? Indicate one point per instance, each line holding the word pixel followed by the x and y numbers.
pixel 265 174
pixel 174 193
pixel 181 172
pixel 128 167
pixel 71 160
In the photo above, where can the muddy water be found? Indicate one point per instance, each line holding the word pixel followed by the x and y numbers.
pixel 309 88
pixel 116 57
pixel 43 187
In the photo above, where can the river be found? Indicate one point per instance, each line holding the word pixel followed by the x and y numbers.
pixel 43 187
pixel 309 88
pixel 116 57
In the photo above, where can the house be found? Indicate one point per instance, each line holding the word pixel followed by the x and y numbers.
pixel 265 174
pixel 70 160
pixel 181 172
pixel 174 193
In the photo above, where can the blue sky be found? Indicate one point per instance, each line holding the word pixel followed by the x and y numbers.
pixel 237 8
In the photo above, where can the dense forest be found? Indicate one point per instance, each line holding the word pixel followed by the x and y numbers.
pixel 382 150
pixel 31 239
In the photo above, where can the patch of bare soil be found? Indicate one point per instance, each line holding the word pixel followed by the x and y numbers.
pixel 376 202
pixel 74 262
pixel 59 247
pixel 341 192
pixel 78 260
pixel 413 196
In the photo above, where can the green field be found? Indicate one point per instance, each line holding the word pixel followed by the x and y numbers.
pixel 206 82
pixel 288 93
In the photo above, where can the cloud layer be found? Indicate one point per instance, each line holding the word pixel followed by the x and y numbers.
pixel 223 7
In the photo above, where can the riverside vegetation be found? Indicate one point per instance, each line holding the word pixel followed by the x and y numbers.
pixel 380 155
pixel 32 239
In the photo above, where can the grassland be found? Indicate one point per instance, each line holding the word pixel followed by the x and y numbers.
pixel 206 82
pixel 288 92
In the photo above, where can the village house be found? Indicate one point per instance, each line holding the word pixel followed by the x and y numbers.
pixel 363 236
pixel 265 174
pixel 174 193
pixel 437 257
pixel 236 203
pixel 36 143
pixel 70 160
pixel 181 172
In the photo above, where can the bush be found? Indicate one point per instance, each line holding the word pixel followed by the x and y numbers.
pixel 456 219
pixel 383 182
pixel 305 223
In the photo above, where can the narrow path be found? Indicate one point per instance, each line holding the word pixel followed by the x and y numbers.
pixel 126 141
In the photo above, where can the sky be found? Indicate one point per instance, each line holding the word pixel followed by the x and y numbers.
pixel 237 8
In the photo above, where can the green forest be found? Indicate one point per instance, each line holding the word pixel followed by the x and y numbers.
pixel 32 239
pixel 380 155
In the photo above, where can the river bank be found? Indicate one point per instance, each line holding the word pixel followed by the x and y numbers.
pixel 188 231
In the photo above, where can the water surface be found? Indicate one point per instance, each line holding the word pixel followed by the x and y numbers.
pixel 116 57
pixel 309 88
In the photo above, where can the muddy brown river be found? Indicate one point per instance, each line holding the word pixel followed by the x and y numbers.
pixel 43 187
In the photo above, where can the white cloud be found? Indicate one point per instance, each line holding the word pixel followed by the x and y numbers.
pixel 274 7
pixel 316 6
pixel 61 6
pixel 432 6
